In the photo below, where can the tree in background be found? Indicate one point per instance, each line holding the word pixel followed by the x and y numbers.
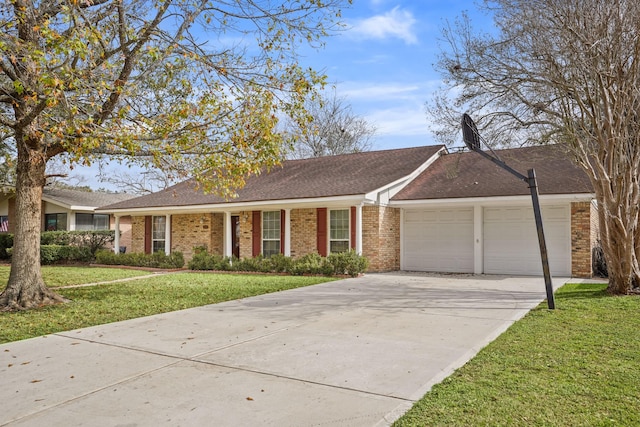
pixel 565 71
pixel 333 129
pixel 200 83
pixel 143 182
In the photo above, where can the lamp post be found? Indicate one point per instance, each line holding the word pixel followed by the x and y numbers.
pixel 471 139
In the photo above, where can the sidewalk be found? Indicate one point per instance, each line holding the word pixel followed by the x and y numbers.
pixel 355 352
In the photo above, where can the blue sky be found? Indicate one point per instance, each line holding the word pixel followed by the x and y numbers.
pixel 383 63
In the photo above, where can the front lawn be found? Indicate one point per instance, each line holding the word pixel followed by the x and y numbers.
pixel 576 366
pixel 55 276
pixel 95 305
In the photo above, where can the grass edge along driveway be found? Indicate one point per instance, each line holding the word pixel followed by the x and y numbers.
pixel 106 303
pixel 576 366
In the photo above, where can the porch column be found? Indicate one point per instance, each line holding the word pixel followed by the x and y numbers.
pixel 478 244
pixel 228 228
pixel 287 232
pixel 359 229
pixel 116 242
pixel 167 235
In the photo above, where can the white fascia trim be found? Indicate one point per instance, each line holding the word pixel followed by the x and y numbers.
pixel 330 202
pixel 68 207
pixel 394 187
pixel 83 208
pixel 489 201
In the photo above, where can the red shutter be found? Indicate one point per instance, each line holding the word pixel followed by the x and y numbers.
pixel 322 231
pixel 282 219
pixel 147 234
pixel 256 234
pixel 352 227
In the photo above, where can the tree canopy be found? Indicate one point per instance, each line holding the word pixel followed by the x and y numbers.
pixel 194 86
pixel 558 71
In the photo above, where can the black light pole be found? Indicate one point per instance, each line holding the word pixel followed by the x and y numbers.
pixel 471 139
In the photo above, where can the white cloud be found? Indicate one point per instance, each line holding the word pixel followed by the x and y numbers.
pixel 402 121
pixel 386 91
pixel 397 23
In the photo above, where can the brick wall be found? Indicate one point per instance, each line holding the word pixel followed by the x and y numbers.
pixel 246 228
pixel 189 231
pixel 125 231
pixel 137 234
pixel 303 232
pixel 381 237
pixel 216 245
pixel 581 239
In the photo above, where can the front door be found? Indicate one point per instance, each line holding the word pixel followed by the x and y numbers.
pixel 235 235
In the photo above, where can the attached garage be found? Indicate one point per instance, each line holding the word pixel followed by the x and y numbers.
pixel 442 240
pixel 511 244
pixel 439 240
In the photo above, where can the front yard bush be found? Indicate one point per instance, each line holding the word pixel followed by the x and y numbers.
pixel 6 242
pixel 311 264
pixel 154 260
pixel 92 239
pixel 56 254
pixel 349 263
pixel 76 243
pixel 203 260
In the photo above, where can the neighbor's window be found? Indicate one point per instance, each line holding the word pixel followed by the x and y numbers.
pixel 55 222
pixel 87 221
pixel 339 230
pixel 270 233
pixel 158 233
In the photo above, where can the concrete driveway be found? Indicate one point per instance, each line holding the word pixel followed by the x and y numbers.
pixel 355 352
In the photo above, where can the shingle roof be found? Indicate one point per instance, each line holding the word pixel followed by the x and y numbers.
pixel 467 174
pixel 331 176
pixel 84 198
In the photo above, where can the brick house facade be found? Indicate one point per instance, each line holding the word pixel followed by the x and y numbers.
pixel 372 190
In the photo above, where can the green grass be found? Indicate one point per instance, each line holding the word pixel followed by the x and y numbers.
pixel 55 276
pixel 576 366
pixel 96 305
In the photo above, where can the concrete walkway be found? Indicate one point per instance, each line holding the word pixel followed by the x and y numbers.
pixel 355 352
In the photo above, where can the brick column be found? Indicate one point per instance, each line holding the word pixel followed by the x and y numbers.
pixel 581 239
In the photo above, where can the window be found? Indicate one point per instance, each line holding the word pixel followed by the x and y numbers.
pixel 86 221
pixel 270 233
pixel 4 223
pixel 158 233
pixel 339 230
pixel 55 222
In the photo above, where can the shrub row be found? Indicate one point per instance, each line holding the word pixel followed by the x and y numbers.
pixel 154 260
pixel 54 254
pixel 349 263
pixel 90 240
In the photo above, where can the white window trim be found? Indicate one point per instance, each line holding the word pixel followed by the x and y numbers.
pixel 153 239
pixel 329 239
pixel 262 239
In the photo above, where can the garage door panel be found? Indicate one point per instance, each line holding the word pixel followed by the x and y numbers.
pixel 511 240
pixel 438 240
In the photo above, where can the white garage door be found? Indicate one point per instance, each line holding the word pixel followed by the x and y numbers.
pixel 511 241
pixel 438 240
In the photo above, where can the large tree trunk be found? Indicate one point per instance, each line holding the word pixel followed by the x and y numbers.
pixel 26 288
pixel 618 220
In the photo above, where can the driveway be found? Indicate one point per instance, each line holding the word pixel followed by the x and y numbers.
pixel 355 352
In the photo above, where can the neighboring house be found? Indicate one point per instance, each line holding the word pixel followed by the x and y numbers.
pixel 65 209
pixel 412 209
